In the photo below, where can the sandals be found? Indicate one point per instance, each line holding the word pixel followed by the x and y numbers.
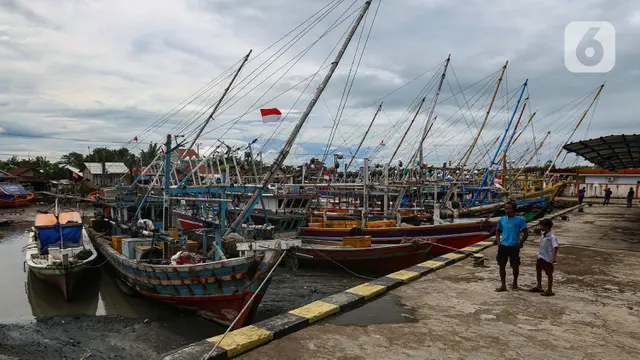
pixel 545 293
pixel 536 289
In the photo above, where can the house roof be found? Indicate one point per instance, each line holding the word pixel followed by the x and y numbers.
pixel 584 171
pixel 190 154
pixel 613 152
pixel 5 175
pixel 18 171
pixel 73 169
pixel 110 167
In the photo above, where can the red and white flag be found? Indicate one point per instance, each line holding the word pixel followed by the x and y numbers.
pixel 270 115
pixel 135 139
pixel 76 175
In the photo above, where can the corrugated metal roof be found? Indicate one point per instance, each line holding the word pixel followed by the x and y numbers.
pixel 613 152
pixel 110 168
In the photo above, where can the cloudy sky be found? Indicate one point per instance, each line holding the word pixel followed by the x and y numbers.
pixel 81 74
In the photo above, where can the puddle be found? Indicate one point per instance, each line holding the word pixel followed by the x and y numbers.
pixel 385 310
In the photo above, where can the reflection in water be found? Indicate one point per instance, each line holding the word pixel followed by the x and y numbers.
pixel 45 300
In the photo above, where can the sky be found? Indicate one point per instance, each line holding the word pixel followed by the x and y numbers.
pixel 76 75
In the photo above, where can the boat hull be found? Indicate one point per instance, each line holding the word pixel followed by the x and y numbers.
pixel 217 290
pixel 16 202
pixel 394 235
pixel 65 279
pixel 376 259
pixel 189 222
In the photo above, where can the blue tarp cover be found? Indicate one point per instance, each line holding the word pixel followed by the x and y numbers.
pixel 13 189
pixel 50 235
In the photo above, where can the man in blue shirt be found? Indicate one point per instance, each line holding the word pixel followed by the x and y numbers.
pixel 511 234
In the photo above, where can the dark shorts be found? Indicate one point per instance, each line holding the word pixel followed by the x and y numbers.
pixel 508 253
pixel 547 267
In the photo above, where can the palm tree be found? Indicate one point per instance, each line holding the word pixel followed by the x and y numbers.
pixel 148 155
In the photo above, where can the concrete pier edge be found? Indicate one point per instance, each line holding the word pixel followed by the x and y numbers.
pixel 249 337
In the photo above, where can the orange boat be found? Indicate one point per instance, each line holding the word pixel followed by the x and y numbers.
pixel 12 195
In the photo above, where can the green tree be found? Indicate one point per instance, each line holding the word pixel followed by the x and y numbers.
pixel 148 155
pixel 73 158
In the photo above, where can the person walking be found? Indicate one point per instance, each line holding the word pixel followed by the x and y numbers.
pixel 630 195
pixel 607 196
pixel 511 234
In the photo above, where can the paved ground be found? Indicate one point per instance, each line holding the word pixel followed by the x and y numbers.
pixel 455 314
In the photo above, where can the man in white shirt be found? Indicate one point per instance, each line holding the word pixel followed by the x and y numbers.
pixel 546 257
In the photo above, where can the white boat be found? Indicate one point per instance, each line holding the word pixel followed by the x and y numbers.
pixel 59 250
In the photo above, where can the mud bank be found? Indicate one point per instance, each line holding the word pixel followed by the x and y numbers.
pixel 101 337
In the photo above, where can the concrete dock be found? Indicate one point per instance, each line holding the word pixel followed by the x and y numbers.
pixel 454 313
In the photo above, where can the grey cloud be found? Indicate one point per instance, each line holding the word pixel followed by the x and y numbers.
pixel 18 7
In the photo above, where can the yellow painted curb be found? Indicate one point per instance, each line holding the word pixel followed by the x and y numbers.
pixel 433 264
pixel 471 249
pixel 404 275
pixel 453 256
pixel 367 290
pixel 242 340
pixel 316 310
pixel 485 243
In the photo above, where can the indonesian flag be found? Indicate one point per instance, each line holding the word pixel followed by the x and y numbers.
pixel 270 115
pixel 135 139
pixel 162 150
pixel 76 175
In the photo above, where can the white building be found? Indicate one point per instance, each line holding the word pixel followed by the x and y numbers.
pixel 595 181
pixel 112 173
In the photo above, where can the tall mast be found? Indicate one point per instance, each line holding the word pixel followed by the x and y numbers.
pixel 427 126
pixel 475 140
pixel 294 134
pixel 524 128
pixel 510 142
pixel 408 128
pixel 529 160
pixel 215 108
pixel 364 137
pixel 495 155
pixel 574 129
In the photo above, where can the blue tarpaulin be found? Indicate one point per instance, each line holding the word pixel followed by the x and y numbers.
pixel 13 189
pixel 50 235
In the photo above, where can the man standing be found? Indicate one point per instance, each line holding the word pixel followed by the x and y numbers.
pixel 511 234
pixel 581 193
pixel 607 196
pixel 630 195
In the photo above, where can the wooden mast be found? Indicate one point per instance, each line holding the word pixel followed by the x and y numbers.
pixel 268 177
pixel 475 140
pixel 427 127
pixel 364 137
pixel 574 129
pixel 215 108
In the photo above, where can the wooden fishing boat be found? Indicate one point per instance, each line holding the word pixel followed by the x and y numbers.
pixel 376 258
pixel 455 235
pixel 12 195
pixel 217 290
pixel 192 222
pixel 59 250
